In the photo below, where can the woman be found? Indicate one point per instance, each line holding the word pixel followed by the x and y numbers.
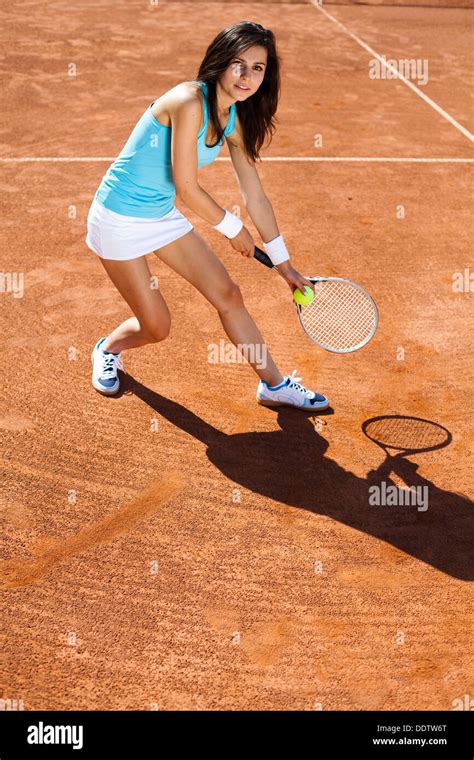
pixel 234 96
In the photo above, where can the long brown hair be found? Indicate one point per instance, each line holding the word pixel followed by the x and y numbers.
pixel 256 114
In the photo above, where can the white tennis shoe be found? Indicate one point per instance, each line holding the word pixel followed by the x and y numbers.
pixel 104 370
pixel 290 393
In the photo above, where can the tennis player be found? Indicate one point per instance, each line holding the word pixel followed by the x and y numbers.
pixel 235 97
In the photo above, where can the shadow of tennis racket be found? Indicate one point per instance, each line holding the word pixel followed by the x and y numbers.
pixel 405 436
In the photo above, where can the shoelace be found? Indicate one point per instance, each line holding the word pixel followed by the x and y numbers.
pixel 110 366
pixel 295 384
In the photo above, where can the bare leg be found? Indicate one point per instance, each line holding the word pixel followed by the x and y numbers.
pixel 152 321
pixel 129 334
pixel 191 257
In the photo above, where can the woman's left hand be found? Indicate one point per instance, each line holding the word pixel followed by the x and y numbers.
pixel 293 278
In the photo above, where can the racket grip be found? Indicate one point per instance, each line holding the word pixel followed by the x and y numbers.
pixel 263 257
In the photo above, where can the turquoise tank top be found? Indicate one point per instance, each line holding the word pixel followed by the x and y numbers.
pixel 140 180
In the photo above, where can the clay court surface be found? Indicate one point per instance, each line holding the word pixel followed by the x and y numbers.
pixel 179 546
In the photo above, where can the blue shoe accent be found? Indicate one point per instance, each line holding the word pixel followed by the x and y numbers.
pixel 290 393
pixel 275 387
pixel 106 353
pixel 107 382
pixel 317 398
pixel 105 366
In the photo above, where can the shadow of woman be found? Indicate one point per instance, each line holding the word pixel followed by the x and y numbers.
pixel 290 466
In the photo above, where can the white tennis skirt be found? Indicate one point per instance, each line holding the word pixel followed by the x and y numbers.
pixel 115 236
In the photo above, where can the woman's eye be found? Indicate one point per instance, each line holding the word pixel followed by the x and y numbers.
pixel 259 68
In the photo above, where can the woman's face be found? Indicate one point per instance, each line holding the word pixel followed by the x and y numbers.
pixel 245 73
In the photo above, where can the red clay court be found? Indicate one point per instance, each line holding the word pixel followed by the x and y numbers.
pixel 179 547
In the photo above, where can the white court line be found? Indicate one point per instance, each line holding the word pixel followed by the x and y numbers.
pixel 406 81
pixel 361 159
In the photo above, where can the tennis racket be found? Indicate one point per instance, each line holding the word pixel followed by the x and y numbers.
pixel 341 318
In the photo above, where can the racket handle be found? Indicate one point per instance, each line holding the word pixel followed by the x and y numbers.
pixel 263 257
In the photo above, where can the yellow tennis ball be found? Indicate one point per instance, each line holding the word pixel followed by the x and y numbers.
pixel 303 298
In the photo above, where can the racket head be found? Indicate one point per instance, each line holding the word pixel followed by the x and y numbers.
pixel 406 434
pixel 341 318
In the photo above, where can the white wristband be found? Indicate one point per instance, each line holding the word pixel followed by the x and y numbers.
pixel 230 225
pixel 276 250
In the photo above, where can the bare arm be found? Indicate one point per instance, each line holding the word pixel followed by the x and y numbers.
pixel 185 121
pixel 258 204
pixel 262 215
pixel 255 200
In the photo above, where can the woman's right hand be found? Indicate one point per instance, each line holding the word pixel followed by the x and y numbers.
pixel 243 242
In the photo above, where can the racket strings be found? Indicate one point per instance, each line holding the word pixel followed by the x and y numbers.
pixel 340 316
